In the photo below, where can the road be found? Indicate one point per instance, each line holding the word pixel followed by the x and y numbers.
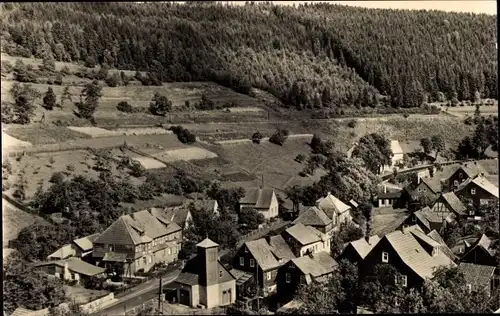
pixel 140 294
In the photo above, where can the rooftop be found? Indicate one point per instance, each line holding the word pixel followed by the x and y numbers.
pixel 258 198
pixel 305 235
pixel 454 202
pixel 332 204
pixel 314 217
pixel 486 185
pixel 263 254
pixel 396 147
pixel 414 255
pixel 207 243
pixel 85 243
pixel 76 265
pixel 363 247
pixel 443 247
pixel 316 265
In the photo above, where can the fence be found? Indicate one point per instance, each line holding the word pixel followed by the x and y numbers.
pixel 96 305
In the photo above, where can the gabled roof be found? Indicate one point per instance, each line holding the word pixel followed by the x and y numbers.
pixel 419 234
pixel 258 198
pixel 137 228
pixel 422 218
pixel 486 185
pixel 85 243
pixel 314 217
pixel 396 147
pixel 280 248
pixel 433 183
pixel 443 247
pixel 484 243
pixel 330 202
pixel 472 169
pixel 414 255
pixel 119 233
pixel 63 252
pixel 76 265
pixel 363 247
pixel 453 202
pixel 207 243
pixel 478 276
pixel 263 254
pixel 316 265
pixel 177 214
pixel 305 235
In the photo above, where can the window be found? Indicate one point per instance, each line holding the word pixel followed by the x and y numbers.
pixel 288 278
pixel 242 261
pixel 469 288
pixel 73 276
pixel 252 263
pixel 150 259
pixel 385 257
pixel 405 280
pixel 175 250
pixel 221 274
pixel 460 175
pixel 246 250
pixel 292 265
pixel 396 302
pixel 144 261
pixel 455 183
pixel 471 212
pixel 111 247
pixel 268 276
pixel 473 191
pixel 460 250
pixel 396 279
pixel 419 189
pixel 169 251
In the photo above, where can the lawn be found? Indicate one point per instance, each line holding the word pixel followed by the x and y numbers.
pixel 81 295
pixel 38 134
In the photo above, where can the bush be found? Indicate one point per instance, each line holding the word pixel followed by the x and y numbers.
pixel 59 80
pixel 300 158
pixel 352 123
pixel 183 134
pixel 279 137
pixel 137 169
pixel 123 106
pixel 256 137
pixel 70 167
pixel 60 123
pixel 57 177
pixel 113 80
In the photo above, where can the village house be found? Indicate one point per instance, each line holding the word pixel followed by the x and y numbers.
pixel 431 187
pixel 204 281
pixel 481 253
pixel 335 209
pixel 262 258
pixel 478 278
pixel 443 246
pixel 397 156
pixel 316 218
pixel 429 220
pixel 463 244
pixel 139 241
pixel 71 269
pixel 305 239
pixel 263 201
pixel 390 197
pixel 181 214
pixel 468 170
pixel 479 190
pixel 449 203
pixel 81 248
pixel 356 251
pixel 414 255
pixel 303 271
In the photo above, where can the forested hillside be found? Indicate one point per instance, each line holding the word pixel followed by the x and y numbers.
pixel 312 56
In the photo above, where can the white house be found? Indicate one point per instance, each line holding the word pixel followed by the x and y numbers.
pixel 335 209
pixel 263 201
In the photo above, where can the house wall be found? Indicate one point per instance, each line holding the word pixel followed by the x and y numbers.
pixel 479 256
pixel 345 217
pixel 422 189
pixel 231 286
pixel 459 176
pixel 350 254
pixel 287 291
pixel 374 257
pixel 479 196
pixel 210 295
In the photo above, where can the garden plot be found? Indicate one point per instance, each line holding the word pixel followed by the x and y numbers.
pixel 250 109
pixel 149 163
pixel 142 131
pixel 95 132
pixel 186 154
pixel 38 134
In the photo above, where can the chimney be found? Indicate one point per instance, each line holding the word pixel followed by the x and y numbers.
pixel 66 272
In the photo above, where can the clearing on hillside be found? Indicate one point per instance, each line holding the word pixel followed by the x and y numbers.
pixel 186 154
pixel 14 220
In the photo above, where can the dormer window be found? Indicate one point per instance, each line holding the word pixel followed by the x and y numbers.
pixel 385 257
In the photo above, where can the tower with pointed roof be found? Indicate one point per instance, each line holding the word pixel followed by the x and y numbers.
pixel 209 275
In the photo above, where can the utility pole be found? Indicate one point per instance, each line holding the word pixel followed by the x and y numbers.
pixel 160 292
pixel 257 279
pixel 262 181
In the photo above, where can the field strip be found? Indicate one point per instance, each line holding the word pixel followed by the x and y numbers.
pixel 95 132
pixel 247 140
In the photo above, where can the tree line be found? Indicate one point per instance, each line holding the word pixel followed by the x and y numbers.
pixel 310 56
